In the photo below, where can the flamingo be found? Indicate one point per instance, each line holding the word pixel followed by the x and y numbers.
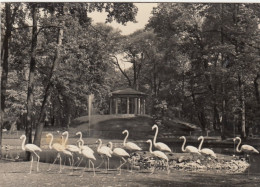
pixel 89 154
pixel 245 148
pixel 158 154
pixel 83 146
pixel 206 151
pixel 32 148
pixel 130 145
pixel 60 149
pixel 159 145
pixel 103 151
pixel 189 149
pixel 71 148
pixel 121 153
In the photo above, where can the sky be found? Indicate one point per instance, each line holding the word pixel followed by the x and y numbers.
pixel 142 17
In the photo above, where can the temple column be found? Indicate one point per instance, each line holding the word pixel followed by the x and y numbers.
pixel 127 105
pixel 116 106
pixel 111 105
pixel 144 107
pixel 139 106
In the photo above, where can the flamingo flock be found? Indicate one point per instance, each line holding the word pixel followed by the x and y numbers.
pixel 85 152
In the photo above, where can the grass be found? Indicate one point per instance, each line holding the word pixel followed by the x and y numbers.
pixel 14 174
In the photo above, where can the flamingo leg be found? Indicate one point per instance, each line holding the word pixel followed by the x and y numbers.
pixel 101 162
pixel 108 163
pixel 83 170
pixel 58 156
pixel 168 168
pixel 93 167
pixel 60 165
pixel 37 160
pixel 121 164
pixel 79 162
pixel 31 165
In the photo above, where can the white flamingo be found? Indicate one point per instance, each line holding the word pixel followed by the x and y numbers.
pixel 32 148
pixel 158 154
pixel 85 148
pixel 206 151
pixel 130 146
pixel 89 154
pixel 248 149
pixel 60 149
pixel 121 153
pixel 159 145
pixel 71 148
pixel 189 149
pixel 103 151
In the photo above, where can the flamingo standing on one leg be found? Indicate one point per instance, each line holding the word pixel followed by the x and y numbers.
pixel 189 149
pixel 130 145
pixel 159 145
pixel 32 148
pixel 206 151
pixel 89 154
pixel 159 154
pixel 121 153
pixel 103 151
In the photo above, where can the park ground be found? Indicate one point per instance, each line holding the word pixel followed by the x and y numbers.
pixel 14 174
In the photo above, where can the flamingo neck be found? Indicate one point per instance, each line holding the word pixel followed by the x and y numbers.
pixel 111 145
pixel 150 148
pixel 99 146
pixel 23 143
pixel 155 136
pixel 82 142
pixel 127 134
pixel 182 148
pixel 66 139
pixel 50 144
pixel 238 146
pixel 201 142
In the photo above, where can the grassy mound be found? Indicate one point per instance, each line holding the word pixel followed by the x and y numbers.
pixel 111 126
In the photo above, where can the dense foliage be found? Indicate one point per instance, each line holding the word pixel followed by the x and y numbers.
pixel 199 62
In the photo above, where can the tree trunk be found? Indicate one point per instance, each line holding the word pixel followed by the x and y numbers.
pixel 30 99
pixel 4 65
pixel 242 105
pixel 257 88
pixel 40 124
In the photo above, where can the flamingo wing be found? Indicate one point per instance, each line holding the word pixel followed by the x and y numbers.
pixel 57 147
pixel 132 146
pixel 248 149
pixel 104 151
pixel 73 148
pixel 160 154
pixel 88 154
pixel 192 149
pixel 209 152
pixel 162 147
pixel 32 147
pixel 120 152
pixel 87 148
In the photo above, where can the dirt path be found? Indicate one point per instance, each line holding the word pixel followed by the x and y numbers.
pixel 13 174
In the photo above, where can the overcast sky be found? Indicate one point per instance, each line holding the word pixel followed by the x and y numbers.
pixel 143 14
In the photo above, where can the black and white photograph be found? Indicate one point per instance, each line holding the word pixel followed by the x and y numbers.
pixel 130 93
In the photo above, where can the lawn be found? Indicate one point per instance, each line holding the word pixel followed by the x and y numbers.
pixel 14 174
